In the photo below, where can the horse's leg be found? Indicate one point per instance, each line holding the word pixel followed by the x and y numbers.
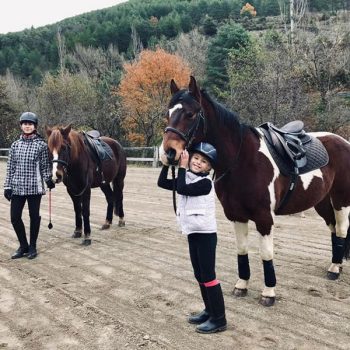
pixel 241 286
pixel 78 219
pixel 339 242
pixel 326 211
pixel 268 295
pixel 118 186
pixel 86 216
pixel 107 190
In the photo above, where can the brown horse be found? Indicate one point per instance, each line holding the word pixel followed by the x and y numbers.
pixel 249 184
pixel 75 165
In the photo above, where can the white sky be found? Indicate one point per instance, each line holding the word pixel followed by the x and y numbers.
pixel 17 15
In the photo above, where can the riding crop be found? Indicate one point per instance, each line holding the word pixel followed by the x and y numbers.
pixel 50 226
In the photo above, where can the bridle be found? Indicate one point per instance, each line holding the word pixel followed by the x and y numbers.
pixel 189 136
pixel 65 165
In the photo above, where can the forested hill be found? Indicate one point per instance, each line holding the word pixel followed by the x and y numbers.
pixel 32 52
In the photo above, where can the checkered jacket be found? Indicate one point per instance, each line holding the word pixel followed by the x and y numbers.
pixel 28 166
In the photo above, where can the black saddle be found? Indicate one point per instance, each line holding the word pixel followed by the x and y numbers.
pixel 294 151
pixel 99 149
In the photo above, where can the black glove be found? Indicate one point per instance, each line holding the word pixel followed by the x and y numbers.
pixel 50 184
pixel 8 193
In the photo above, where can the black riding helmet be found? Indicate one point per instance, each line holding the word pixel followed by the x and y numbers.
pixel 28 117
pixel 206 149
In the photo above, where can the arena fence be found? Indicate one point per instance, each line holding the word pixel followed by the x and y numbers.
pixel 143 155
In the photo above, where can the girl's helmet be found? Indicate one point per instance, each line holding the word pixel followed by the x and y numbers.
pixel 28 117
pixel 206 149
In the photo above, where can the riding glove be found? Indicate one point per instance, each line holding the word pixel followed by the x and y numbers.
pixel 50 184
pixel 8 193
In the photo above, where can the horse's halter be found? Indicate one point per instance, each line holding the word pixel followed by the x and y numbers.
pixel 189 136
pixel 63 162
pixel 65 168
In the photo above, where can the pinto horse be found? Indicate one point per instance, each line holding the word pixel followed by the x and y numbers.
pixel 249 184
pixel 74 164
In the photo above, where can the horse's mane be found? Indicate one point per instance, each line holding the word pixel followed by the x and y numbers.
pixel 56 141
pixel 227 117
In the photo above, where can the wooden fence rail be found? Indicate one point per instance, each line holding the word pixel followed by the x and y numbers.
pixel 154 159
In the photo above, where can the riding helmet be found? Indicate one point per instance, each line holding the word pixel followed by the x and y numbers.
pixel 206 149
pixel 28 117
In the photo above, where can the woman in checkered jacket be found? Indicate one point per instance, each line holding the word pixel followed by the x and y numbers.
pixel 28 167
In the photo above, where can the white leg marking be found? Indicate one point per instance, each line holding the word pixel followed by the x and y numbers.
pixel 241 284
pixel 269 292
pixel 241 230
pixel 342 221
pixel 335 268
pixel 266 246
pixel 54 166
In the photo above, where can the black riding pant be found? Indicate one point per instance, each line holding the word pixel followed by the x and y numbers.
pixel 202 247
pixel 17 205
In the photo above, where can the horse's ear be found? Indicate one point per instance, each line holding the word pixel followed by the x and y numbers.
pixel 48 130
pixel 193 88
pixel 65 131
pixel 173 87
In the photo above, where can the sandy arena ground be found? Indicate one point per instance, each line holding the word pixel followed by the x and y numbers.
pixel 133 288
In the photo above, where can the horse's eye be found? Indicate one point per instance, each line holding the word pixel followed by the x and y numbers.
pixel 189 115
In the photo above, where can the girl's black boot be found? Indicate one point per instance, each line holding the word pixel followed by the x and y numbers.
pixel 217 320
pixel 203 315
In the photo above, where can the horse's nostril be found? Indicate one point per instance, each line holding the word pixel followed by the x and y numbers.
pixel 171 154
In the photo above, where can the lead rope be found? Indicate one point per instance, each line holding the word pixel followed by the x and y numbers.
pixel 174 187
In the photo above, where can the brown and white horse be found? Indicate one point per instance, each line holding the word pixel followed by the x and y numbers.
pixel 249 184
pixel 76 167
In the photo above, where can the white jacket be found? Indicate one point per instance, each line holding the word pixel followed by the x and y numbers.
pixel 196 214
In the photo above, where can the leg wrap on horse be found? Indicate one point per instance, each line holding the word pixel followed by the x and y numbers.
pixel 243 267
pixel 269 273
pixel 338 248
pixel 347 245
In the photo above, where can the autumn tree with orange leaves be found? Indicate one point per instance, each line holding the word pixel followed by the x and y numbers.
pixel 145 93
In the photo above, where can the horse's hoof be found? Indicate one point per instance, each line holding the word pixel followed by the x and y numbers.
pixel 267 301
pixel 238 292
pixel 86 242
pixel 76 234
pixel 105 226
pixel 332 275
pixel 121 223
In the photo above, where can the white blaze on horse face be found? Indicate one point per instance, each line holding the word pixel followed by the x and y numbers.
pixel 307 178
pixel 172 110
pixel 54 166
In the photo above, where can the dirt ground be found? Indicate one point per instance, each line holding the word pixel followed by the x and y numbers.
pixel 133 288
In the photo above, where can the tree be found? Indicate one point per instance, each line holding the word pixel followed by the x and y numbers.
pixel 144 92
pixel 8 118
pixel 230 37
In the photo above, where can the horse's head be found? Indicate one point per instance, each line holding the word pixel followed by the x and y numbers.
pixel 186 122
pixel 59 147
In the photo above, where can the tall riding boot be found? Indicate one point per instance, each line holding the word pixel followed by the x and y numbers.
pixel 217 320
pixel 22 238
pixel 203 315
pixel 34 232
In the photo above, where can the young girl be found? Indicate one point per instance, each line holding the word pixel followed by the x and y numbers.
pixel 28 167
pixel 196 216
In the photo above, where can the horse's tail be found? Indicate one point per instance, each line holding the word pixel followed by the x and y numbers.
pixel 347 244
pixel 118 186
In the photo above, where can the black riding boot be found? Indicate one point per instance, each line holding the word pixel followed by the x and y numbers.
pixel 34 232
pixel 203 315
pixel 217 320
pixel 22 239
